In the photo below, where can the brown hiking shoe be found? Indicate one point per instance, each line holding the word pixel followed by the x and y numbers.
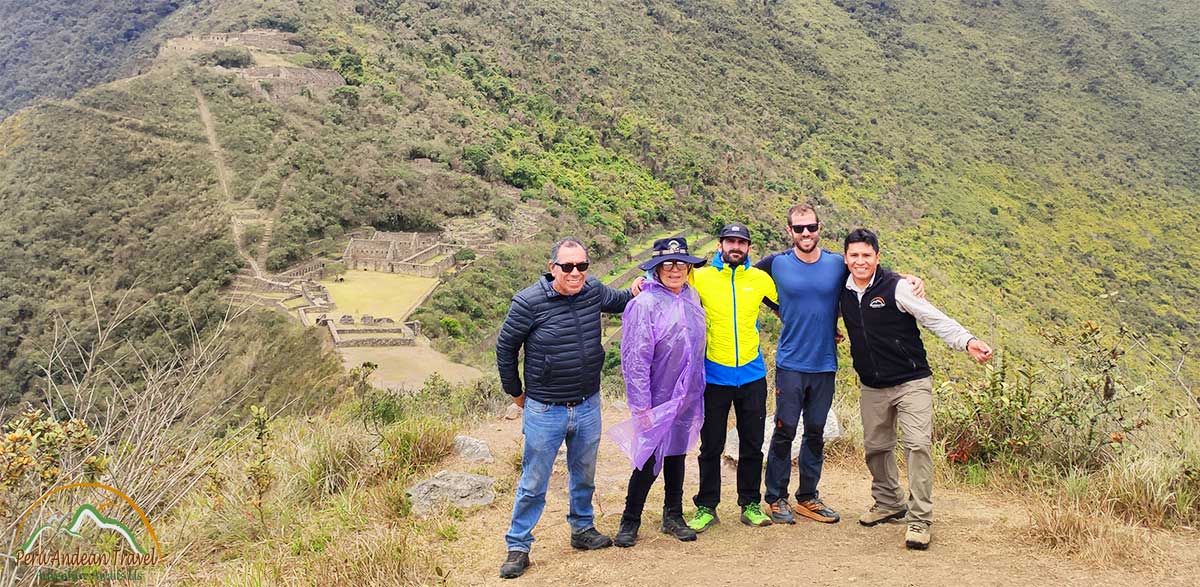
pixel 917 536
pixel 815 509
pixel 879 514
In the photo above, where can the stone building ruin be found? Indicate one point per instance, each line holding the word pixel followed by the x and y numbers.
pixel 281 82
pixel 414 253
pixel 263 39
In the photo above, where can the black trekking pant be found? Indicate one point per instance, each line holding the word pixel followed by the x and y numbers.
pixel 749 403
pixel 641 480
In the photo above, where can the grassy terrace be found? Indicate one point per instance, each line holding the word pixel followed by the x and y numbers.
pixel 378 294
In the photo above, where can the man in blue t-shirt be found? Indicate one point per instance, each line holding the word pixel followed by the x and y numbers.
pixel 809 281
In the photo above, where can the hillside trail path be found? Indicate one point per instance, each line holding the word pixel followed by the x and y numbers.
pixel 224 179
pixel 979 538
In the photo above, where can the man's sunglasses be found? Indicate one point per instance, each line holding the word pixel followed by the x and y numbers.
pixel 570 267
pixel 800 228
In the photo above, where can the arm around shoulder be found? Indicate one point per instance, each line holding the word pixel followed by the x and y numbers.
pixel 614 300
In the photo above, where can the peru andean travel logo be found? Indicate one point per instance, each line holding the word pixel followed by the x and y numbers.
pixel 86 532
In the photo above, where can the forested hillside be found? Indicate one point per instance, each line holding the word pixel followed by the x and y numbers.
pixel 1029 158
pixel 53 48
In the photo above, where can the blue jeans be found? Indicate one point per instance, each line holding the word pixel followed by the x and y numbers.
pixel 546 427
pixel 795 392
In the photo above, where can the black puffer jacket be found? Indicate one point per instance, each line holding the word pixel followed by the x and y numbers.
pixel 561 336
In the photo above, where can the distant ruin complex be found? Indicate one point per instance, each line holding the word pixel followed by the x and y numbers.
pixel 275 79
pixel 264 39
pixel 289 81
pixel 414 253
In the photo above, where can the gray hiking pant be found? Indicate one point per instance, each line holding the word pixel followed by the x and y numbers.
pixel 909 406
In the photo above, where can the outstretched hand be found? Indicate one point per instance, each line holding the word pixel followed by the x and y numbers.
pixel 979 350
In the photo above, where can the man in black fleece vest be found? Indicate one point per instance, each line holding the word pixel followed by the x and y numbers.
pixel 881 315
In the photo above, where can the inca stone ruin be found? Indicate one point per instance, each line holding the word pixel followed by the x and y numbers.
pixel 414 253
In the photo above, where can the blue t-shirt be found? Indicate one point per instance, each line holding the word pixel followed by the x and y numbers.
pixel 808 307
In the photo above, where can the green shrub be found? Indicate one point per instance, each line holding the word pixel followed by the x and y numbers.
pixel 346 96
pixel 1074 413
pixel 451 327
pixel 230 57
pixel 252 235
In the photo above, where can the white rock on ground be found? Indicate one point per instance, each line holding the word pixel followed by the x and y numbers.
pixel 451 488
pixel 472 449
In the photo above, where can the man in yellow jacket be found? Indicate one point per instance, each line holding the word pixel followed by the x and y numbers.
pixel 731 291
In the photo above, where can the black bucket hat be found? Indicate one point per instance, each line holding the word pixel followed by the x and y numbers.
pixel 674 248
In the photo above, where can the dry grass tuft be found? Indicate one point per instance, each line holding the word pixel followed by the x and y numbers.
pixel 1091 532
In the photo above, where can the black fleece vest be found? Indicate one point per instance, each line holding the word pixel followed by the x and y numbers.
pixel 884 341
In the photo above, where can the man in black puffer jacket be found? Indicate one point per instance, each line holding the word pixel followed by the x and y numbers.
pixel 557 320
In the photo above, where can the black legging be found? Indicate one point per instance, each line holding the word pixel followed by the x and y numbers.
pixel 641 480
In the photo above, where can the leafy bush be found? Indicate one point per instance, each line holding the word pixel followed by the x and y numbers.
pixel 252 235
pixel 228 57
pixel 1073 413
pixel 346 96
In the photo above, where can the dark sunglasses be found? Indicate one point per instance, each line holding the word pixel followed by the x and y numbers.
pixel 569 267
pixel 669 265
pixel 800 228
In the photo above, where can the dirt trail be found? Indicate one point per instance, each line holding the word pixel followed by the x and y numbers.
pixel 224 178
pixel 978 539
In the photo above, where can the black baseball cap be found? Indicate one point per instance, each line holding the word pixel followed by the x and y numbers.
pixel 734 230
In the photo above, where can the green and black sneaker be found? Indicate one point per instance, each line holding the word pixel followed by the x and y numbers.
pixel 752 515
pixel 703 518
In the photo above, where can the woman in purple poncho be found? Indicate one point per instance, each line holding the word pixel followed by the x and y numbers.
pixel 662 359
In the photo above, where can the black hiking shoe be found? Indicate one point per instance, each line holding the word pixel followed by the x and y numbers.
pixel 514 566
pixel 674 525
pixel 627 535
pixel 590 539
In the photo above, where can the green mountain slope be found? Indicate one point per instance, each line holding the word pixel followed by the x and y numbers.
pixel 51 48
pixel 1028 158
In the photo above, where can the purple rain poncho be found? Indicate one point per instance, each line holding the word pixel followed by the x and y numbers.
pixel 662 359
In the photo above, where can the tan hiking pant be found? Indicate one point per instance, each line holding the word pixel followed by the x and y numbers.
pixel 911 406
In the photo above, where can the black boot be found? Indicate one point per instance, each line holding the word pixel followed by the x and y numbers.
pixel 590 539
pixel 674 525
pixel 514 565
pixel 627 534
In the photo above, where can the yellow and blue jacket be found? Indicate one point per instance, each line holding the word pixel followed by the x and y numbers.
pixel 731 296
